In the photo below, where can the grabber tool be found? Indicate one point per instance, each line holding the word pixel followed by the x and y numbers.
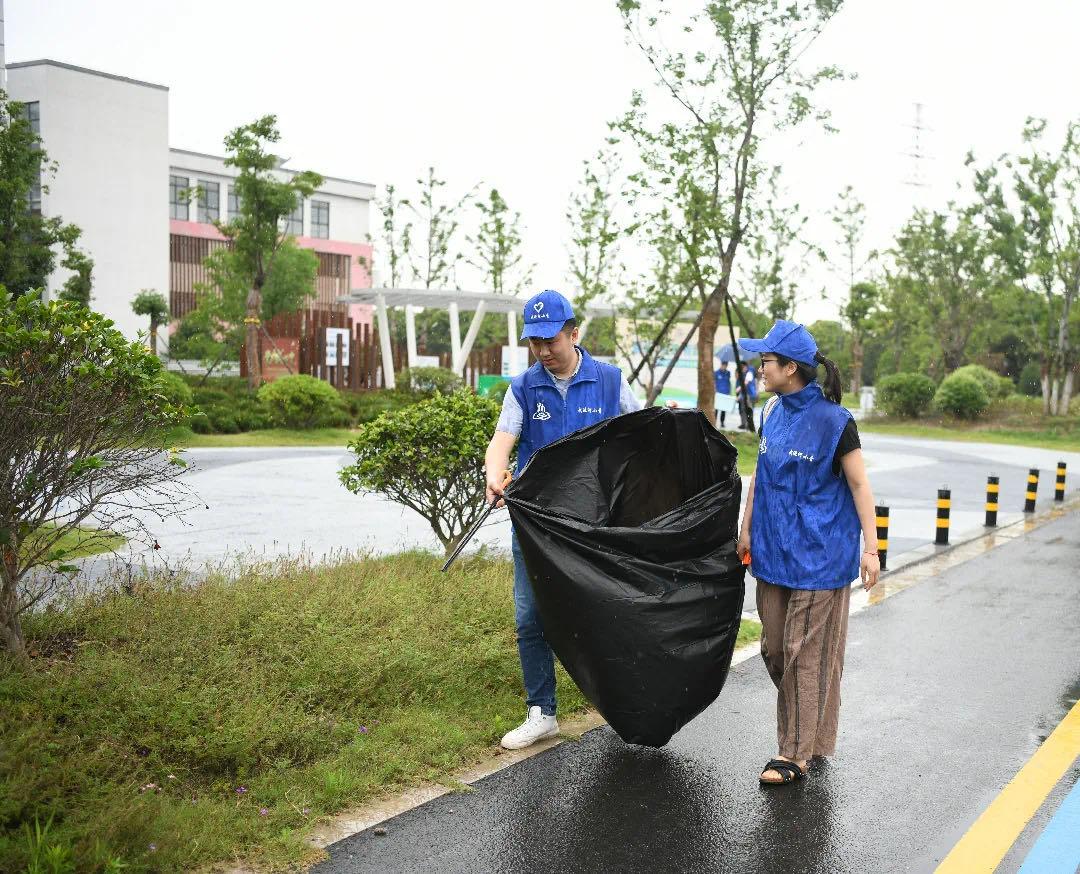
pixel 507 477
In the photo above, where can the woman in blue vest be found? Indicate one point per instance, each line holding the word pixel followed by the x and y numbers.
pixel 564 391
pixel 807 504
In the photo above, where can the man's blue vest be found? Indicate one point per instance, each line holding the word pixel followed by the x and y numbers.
pixel 804 533
pixel 592 396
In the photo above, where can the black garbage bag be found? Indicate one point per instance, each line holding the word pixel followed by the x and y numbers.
pixel 628 530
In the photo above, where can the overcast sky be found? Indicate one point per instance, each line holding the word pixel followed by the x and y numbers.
pixel 516 95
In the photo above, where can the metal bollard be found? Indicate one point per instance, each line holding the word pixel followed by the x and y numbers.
pixel 882 534
pixel 944 503
pixel 1032 488
pixel 1059 486
pixel 991 501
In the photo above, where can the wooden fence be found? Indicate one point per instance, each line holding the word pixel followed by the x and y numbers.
pixel 297 343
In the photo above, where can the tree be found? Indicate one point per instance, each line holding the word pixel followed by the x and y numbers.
pixel 77 287
pixel 153 304
pixel 1036 228
pixel 594 231
pixel 396 234
pixel 223 305
pixel 29 242
pixel 944 264
pixel 428 457
pixel 83 413
pixel 778 254
pixel 849 217
pixel 740 83
pixel 497 246
pixel 257 233
pixel 436 261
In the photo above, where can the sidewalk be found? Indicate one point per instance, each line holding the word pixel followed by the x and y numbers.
pixel 951 686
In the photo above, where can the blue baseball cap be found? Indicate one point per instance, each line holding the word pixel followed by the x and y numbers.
pixel 545 314
pixel 788 339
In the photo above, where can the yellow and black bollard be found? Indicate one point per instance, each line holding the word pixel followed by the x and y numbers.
pixel 991 501
pixel 1059 486
pixel 1032 488
pixel 944 503
pixel 882 534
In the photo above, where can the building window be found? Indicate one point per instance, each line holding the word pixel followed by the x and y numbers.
pixel 178 205
pixel 32 113
pixel 234 203
pixel 209 201
pixel 294 222
pixel 320 219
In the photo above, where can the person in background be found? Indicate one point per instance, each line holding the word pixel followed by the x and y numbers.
pixel 748 386
pixel 722 378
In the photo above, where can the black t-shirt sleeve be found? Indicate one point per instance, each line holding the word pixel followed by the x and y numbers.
pixel 849 441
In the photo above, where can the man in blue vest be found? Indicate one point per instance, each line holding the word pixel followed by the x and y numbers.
pixel 564 391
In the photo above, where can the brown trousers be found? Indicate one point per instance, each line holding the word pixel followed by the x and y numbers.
pixel 802 642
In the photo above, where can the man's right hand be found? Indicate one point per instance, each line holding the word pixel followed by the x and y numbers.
pixel 496 483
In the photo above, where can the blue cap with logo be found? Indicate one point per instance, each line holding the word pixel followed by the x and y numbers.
pixel 544 315
pixel 789 339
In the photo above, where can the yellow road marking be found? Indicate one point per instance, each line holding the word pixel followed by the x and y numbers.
pixel 985 844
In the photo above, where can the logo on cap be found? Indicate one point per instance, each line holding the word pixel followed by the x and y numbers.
pixel 541 414
pixel 539 305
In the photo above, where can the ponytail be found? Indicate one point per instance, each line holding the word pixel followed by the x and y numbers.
pixel 833 387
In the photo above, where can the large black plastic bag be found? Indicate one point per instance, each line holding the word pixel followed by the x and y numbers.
pixel 628 531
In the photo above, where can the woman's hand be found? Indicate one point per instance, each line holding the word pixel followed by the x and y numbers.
pixel 870 571
pixel 743 546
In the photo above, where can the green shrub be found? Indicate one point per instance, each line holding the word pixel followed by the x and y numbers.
pixel 429 457
pixel 498 391
pixel 989 380
pixel 1031 379
pixel 367 406
pixel 1006 387
pixel 429 380
pixel 904 394
pixel 302 402
pixel 962 396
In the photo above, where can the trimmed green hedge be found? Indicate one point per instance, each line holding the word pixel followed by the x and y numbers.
pixel 904 394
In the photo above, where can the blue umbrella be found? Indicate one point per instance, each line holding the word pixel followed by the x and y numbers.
pixel 726 353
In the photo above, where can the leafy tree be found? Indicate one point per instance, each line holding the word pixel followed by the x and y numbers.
pixel 83 412
pixel 594 231
pixel 153 304
pixel 257 233
pixel 778 254
pixel 396 234
pixel 731 74
pixel 497 246
pixel 944 264
pixel 29 242
pixel 77 287
pixel 436 263
pixel 1036 227
pixel 860 301
pixel 428 457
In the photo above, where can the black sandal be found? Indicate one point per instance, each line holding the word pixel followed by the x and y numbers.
pixel 788 771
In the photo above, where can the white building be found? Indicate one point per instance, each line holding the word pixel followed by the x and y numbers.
pixel 110 137
pixel 119 181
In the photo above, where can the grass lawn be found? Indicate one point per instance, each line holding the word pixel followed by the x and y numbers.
pixel 1016 420
pixel 186 438
pixel 91 542
pixel 178 728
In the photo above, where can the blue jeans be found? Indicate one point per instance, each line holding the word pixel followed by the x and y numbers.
pixel 537 659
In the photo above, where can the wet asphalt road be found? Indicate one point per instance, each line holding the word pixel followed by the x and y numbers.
pixel 950 687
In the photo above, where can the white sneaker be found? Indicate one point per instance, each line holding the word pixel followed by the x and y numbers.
pixel 535 727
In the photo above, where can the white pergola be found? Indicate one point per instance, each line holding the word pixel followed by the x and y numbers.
pixel 477 302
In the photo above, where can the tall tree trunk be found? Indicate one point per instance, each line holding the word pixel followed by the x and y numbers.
pixel 1067 391
pixel 153 337
pixel 11 633
pixel 856 363
pixel 1044 385
pixel 251 341
pixel 706 381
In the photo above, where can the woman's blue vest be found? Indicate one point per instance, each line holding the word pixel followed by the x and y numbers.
pixel 804 533
pixel 592 396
